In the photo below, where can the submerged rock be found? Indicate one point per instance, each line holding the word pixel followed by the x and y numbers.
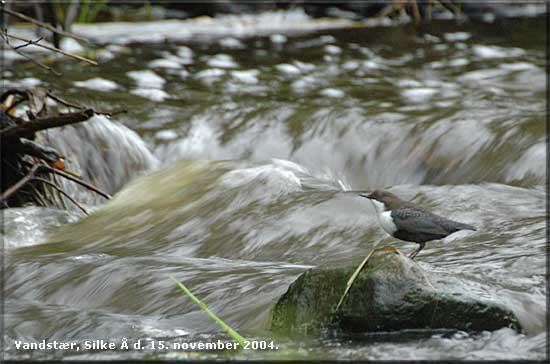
pixel 391 293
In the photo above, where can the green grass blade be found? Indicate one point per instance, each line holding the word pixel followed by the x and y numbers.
pixel 84 11
pixel 95 10
pixel 238 338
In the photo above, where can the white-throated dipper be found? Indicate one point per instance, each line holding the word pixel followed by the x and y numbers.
pixel 406 221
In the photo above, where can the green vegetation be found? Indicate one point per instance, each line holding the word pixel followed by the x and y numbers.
pixel 238 338
pixel 89 10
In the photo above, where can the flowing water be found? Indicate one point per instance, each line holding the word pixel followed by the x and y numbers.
pixel 232 184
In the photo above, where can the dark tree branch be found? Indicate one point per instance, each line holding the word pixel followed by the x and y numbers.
pixel 26 130
pixel 30 42
pixel 14 91
pixel 42 167
pixel 22 182
pixel 36 150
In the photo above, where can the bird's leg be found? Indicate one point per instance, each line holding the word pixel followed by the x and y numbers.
pixel 415 253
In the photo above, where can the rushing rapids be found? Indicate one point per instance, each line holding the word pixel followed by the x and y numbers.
pixel 230 182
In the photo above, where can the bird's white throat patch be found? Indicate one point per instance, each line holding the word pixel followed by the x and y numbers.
pixel 384 217
pixel 379 206
pixel 387 223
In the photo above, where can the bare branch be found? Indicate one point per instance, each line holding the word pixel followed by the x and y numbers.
pixel 76 106
pixel 68 54
pixel 54 186
pixel 76 180
pixel 44 25
pixel 22 182
pixel 29 128
pixel 63 102
pixel 28 43
pixel 38 63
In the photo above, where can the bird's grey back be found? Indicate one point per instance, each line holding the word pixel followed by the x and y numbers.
pixel 415 219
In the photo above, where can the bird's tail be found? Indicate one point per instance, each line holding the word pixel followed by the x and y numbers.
pixel 462 226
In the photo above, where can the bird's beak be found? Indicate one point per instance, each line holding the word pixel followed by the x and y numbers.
pixel 365 195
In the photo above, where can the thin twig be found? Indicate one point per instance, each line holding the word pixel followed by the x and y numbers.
pixel 37 62
pixel 68 54
pixel 359 269
pixel 80 107
pixel 63 102
pixel 23 181
pixel 62 192
pixel 40 198
pixel 42 167
pixel 57 196
pixel 30 42
pixel 76 180
pixel 44 25
pixel 111 113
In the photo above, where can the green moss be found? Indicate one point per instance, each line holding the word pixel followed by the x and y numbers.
pixel 391 293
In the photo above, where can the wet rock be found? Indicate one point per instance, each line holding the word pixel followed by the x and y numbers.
pixel 391 293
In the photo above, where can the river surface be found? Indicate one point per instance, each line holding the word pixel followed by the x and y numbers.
pixel 227 170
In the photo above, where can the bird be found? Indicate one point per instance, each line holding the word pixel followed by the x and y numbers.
pixel 407 221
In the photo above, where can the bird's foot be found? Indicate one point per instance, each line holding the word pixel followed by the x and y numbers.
pixel 388 248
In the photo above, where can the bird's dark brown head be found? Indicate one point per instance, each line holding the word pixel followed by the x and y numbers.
pixel 389 200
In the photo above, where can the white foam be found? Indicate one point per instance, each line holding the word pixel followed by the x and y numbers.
pixel 222 61
pixel 518 66
pixel 457 36
pixel 245 25
pixel 483 74
pixel 185 53
pixel 305 67
pixel 30 82
pixel 71 45
pixel 278 38
pixel 151 94
pixel 275 178
pixel 332 49
pixel 166 135
pixel 146 78
pixel 459 62
pixel 370 65
pixel 288 69
pixel 350 65
pixel 98 84
pixel 419 95
pixel 164 63
pixel 492 52
pixel 104 55
pixel 232 43
pixel 250 76
pixel 28 226
pixel 332 92
pixel 201 143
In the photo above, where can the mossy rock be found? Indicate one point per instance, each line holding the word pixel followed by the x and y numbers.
pixel 391 293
